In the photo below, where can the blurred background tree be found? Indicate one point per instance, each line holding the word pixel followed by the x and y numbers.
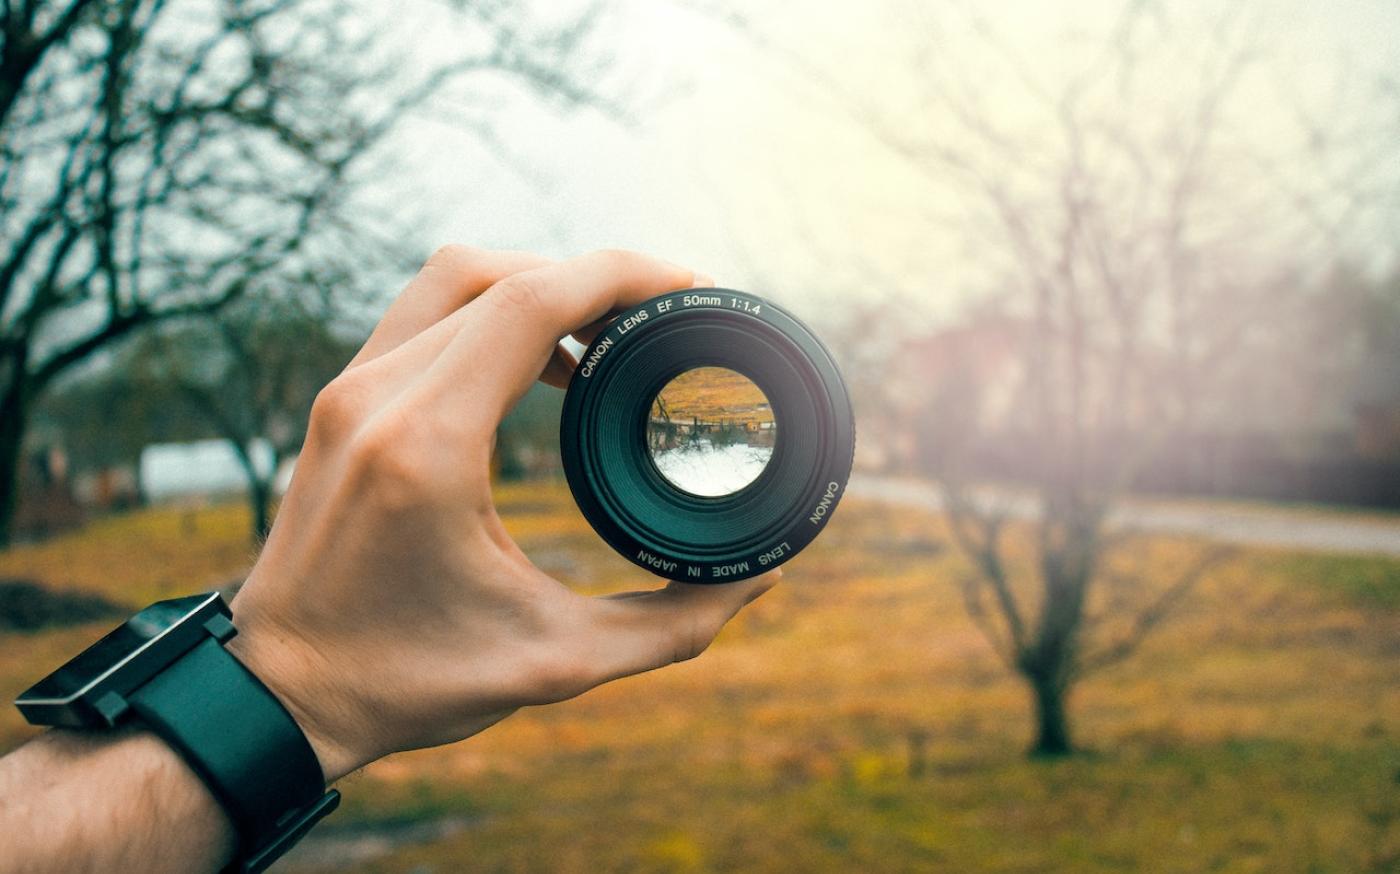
pixel 162 160
pixel 1132 286
pixel 1115 314
pixel 250 375
pixel 247 376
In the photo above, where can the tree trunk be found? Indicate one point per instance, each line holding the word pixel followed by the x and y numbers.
pixel 1052 737
pixel 12 421
pixel 260 501
pixel 259 487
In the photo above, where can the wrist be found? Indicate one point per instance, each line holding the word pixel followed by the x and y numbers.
pixel 297 676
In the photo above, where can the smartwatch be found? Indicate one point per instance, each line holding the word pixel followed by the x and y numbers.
pixel 166 669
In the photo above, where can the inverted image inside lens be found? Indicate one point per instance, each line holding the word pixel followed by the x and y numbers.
pixel 711 431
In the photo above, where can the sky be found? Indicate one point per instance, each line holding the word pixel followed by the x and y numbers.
pixel 751 157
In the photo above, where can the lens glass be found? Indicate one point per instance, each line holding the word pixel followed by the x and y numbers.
pixel 711 431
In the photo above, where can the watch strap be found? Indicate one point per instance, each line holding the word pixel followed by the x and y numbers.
pixel 245 746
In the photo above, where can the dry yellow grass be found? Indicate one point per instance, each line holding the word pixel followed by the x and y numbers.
pixel 1257 732
pixel 139 557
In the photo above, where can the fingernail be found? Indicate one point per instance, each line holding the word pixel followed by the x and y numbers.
pixel 701 280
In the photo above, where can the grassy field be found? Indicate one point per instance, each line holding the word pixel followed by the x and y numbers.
pixel 855 720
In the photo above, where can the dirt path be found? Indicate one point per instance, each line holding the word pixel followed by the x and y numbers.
pixel 1256 524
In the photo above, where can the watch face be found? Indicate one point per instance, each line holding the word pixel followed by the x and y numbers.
pixel 123 646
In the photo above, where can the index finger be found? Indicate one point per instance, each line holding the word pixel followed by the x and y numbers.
pixel 509 332
pixel 450 279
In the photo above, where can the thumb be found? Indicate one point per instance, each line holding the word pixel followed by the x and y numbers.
pixel 641 631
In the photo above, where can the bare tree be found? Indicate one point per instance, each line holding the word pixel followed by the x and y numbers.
pixel 250 374
pixel 1134 272
pixel 1120 309
pixel 160 160
pixel 247 375
pixel 1119 216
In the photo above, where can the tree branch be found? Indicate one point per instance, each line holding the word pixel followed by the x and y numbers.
pixel 23 50
pixel 983 546
pixel 1154 613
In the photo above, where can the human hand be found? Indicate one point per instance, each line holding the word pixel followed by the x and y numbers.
pixel 389 609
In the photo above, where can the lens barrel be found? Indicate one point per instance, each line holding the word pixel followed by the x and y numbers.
pixel 654 524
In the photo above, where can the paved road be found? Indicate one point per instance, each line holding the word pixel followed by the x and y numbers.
pixel 1233 523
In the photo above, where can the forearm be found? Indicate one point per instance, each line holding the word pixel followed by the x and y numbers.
pixel 77 801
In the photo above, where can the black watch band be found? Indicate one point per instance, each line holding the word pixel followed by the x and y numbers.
pixel 241 741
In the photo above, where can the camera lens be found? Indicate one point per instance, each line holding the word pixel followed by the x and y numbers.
pixel 711 431
pixel 707 435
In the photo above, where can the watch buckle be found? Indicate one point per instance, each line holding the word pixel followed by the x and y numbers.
pixel 297 824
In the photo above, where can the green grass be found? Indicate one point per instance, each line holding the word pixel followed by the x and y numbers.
pixel 1257 731
pixel 1364 580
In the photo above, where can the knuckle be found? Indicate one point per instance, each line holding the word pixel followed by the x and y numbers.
pixel 335 408
pixel 521 292
pixel 559 665
pixel 687 649
pixel 692 638
pixel 557 676
pixel 569 677
pixel 619 260
pixel 453 256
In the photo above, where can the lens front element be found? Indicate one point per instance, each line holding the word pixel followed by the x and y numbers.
pixel 711 432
